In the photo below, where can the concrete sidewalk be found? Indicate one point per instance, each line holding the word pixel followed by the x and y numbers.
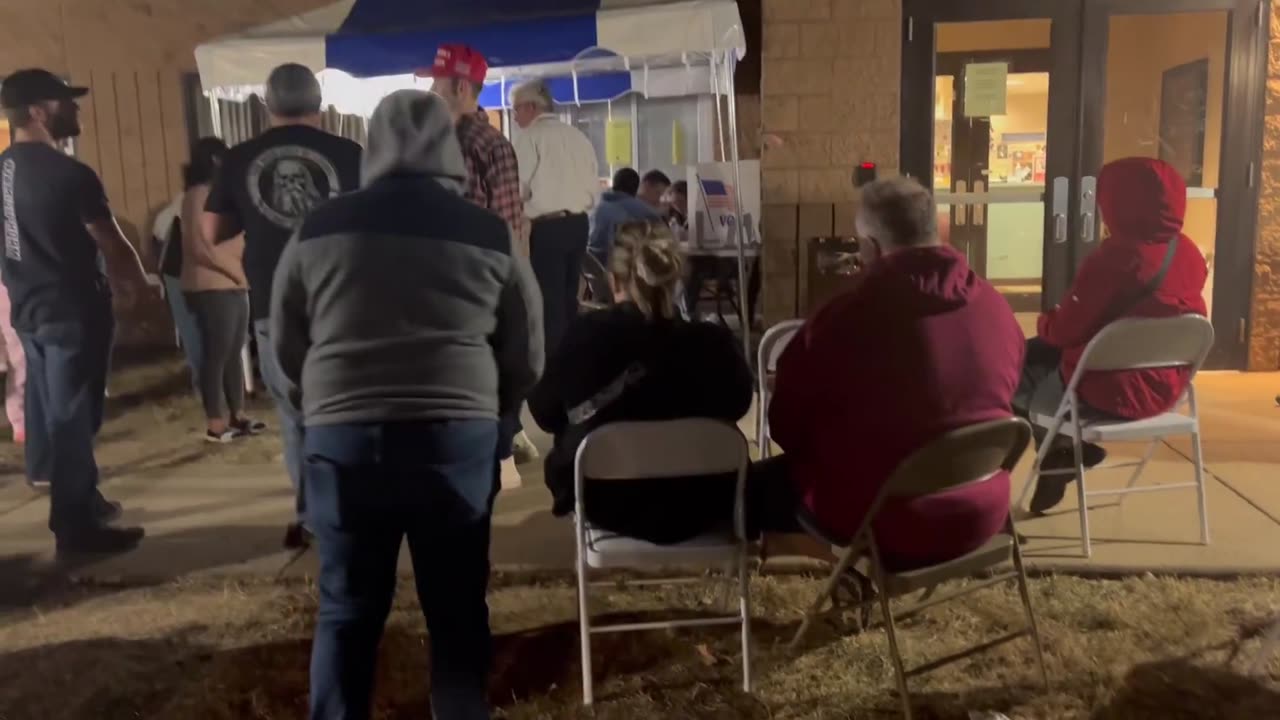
pixel 203 519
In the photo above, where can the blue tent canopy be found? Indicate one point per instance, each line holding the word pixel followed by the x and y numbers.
pixel 520 38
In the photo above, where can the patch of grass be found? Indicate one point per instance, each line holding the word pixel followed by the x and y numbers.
pixel 1158 648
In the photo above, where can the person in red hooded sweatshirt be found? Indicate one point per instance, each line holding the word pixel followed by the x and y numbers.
pixel 1146 267
pixel 919 346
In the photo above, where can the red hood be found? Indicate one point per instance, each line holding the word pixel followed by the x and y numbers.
pixel 1142 200
pixel 931 279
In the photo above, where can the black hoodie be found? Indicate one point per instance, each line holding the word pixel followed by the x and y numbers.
pixel 678 370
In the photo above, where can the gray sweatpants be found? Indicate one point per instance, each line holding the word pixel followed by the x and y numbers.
pixel 223 319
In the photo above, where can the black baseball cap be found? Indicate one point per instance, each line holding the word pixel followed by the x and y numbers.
pixel 29 87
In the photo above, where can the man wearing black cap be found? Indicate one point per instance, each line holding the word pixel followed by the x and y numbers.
pixel 59 236
pixel 265 188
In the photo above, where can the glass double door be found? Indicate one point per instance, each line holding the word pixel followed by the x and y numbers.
pixel 1011 107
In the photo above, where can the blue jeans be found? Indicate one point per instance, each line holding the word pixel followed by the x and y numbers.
pixel 368 486
pixel 290 422
pixel 67 365
pixel 185 322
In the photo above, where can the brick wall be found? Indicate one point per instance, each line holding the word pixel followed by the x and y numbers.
pixel 1264 339
pixel 830 95
pixel 133 55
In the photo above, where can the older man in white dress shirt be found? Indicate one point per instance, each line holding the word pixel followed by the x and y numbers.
pixel 560 184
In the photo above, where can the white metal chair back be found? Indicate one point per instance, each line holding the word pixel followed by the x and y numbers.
pixel 772 345
pixel 1130 344
pixel 964 456
pixel 654 450
pixel 1142 343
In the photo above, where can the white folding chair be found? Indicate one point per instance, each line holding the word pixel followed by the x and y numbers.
pixel 966 456
pixel 1130 344
pixel 775 340
pixel 651 450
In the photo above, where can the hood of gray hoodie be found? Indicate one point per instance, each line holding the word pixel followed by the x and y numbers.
pixel 412 132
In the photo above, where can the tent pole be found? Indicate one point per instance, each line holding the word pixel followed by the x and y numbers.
pixel 715 95
pixel 744 307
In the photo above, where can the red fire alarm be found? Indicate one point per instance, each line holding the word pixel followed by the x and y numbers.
pixel 864 173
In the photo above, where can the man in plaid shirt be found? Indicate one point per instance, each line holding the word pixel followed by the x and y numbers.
pixel 493 182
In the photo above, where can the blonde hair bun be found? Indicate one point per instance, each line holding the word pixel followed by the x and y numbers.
pixel 648 264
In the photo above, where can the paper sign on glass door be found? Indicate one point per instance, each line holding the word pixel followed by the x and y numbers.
pixel 986 89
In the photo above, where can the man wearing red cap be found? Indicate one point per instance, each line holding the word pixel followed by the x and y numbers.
pixel 493 179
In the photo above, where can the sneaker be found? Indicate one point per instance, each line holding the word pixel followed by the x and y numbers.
pixel 297 537
pixel 226 436
pixel 1051 489
pixel 40 486
pixel 523 449
pixel 248 426
pixel 100 540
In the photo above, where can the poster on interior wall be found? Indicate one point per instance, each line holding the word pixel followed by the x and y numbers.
pixel 714 211
pixel 1184 112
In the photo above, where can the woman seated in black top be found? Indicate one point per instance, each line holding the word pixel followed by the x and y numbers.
pixel 638 360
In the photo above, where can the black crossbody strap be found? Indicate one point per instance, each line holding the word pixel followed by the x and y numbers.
pixel 1154 283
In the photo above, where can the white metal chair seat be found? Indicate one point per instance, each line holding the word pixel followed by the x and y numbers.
pixel 637 451
pixel 607 549
pixel 1100 431
pixel 997 551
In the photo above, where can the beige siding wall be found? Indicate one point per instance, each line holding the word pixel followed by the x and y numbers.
pixel 133 55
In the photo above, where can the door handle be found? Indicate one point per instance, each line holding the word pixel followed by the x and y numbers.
pixel 1061 201
pixel 1088 209
pixel 961 208
pixel 979 207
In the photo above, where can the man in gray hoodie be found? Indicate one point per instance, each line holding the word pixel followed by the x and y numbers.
pixel 406 326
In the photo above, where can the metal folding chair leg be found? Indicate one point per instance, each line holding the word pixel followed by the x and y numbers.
pixel 744 604
pixel 899 672
pixel 584 618
pixel 1025 592
pixel 845 559
pixel 1077 446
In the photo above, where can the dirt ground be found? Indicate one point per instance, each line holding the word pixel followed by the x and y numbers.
pixel 1158 648
pixel 218 649
pixel 153 422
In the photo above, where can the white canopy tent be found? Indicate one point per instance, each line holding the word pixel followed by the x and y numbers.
pixel 364 50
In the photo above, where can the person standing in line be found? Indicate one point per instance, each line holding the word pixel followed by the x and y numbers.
pixel 216 290
pixel 375 281
pixel 15 376
pixel 493 183
pixel 560 184
pixel 64 254
pixel 166 233
pixel 264 188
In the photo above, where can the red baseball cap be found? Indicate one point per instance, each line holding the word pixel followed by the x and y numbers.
pixel 458 61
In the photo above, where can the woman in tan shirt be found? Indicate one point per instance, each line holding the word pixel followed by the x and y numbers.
pixel 216 290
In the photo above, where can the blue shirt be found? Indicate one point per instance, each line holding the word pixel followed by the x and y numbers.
pixel 614 209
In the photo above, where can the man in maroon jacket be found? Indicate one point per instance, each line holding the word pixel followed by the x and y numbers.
pixel 1143 203
pixel 919 346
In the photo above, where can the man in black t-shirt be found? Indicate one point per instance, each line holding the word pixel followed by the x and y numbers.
pixel 60 241
pixel 265 188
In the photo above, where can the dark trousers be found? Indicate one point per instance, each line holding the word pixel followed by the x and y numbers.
pixel 291 428
pixel 557 246
pixel 67 365
pixel 368 486
pixel 222 317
